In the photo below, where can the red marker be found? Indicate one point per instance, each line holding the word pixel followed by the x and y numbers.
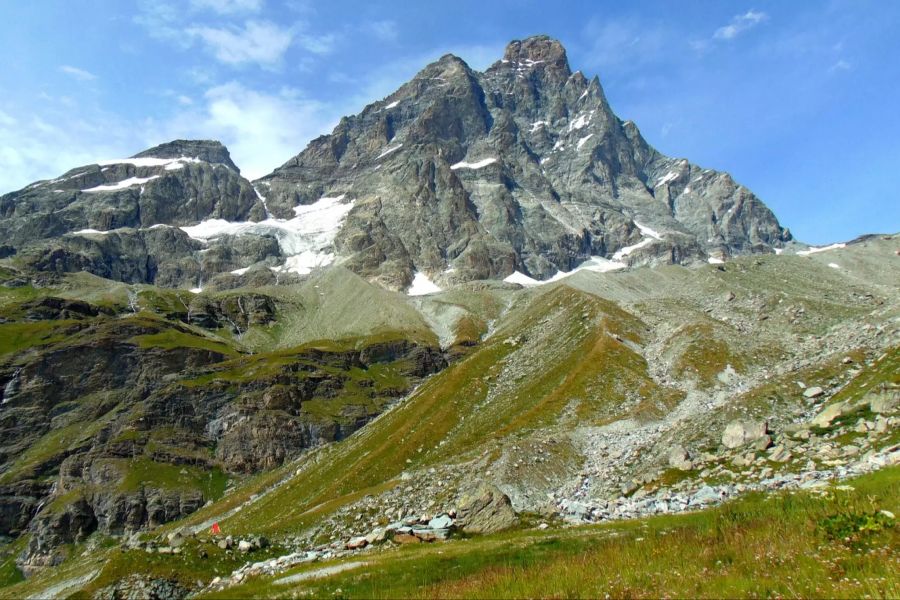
pixel 215 529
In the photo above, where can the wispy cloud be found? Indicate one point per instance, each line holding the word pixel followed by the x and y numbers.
pixel 740 24
pixel 260 42
pixel 385 30
pixel 79 74
pixel 840 65
pixel 229 7
pixel 261 129
pixel 624 44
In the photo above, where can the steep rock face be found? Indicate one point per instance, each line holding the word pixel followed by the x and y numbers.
pixel 119 219
pixel 466 175
pixel 125 420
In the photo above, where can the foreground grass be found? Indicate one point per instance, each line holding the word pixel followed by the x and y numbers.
pixel 836 545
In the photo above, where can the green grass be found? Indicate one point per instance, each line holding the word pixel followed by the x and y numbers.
pixel 16 337
pixel 169 339
pixel 836 545
pixel 146 473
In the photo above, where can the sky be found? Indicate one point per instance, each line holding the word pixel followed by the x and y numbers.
pixel 797 100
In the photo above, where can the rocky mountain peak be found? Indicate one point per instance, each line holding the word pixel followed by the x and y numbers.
pixel 211 151
pixel 538 49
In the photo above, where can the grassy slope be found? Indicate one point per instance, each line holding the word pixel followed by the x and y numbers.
pixel 509 386
pixel 796 545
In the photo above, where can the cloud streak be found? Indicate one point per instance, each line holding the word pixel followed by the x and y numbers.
pixel 76 73
pixel 739 24
pixel 260 42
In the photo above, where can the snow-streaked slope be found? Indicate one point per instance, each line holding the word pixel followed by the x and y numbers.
pixel 306 240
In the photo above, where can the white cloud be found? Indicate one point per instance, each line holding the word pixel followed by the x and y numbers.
pixel 841 65
pixel 740 24
pixel 385 30
pixel 261 130
pixel 228 7
pixel 260 42
pixel 79 74
pixel 43 141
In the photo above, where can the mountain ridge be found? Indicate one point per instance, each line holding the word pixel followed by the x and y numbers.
pixel 519 171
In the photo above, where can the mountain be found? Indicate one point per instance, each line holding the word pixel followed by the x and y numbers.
pixel 520 171
pixel 465 175
pixel 208 386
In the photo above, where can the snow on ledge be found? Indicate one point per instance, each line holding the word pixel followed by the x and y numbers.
pixel 715 261
pixel 596 264
pixel 422 286
pixel 125 183
pixel 648 232
pixel 475 165
pixel 623 252
pixel 814 250
pixel 388 151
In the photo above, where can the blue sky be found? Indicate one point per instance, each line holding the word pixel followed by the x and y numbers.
pixel 798 100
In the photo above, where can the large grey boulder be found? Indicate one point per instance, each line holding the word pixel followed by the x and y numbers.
pixel 741 432
pixel 485 510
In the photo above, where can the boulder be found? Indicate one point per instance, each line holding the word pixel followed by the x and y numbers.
pixel 440 522
pixel 680 459
pixel 830 413
pixel 486 510
pixel 813 392
pixel 884 402
pixel 356 543
pixel 739 433
pixel 245 546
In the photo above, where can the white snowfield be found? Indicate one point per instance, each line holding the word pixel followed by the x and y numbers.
pixel 422 286
pixel 475 165
pixel 150 161
pixel 305 240
pixel 715 261
pixel 814 250
pixel 597 264
pixel 125 183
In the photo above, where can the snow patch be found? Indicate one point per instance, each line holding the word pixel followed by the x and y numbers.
pixel 583 140
pixel 422 286
pixel 648 232
pixel 778 251
pixel 834 265
pixel 305 240
pixel 582 120
pixel 89 231
pixel 623 252
pixel 125 183
pixel 389 150
pixel 671 175
pixel 240 271
pixel 814 250
pixel 196 290
pixel 392 105
pixel 522 279
pixel 537 125
pixel 475 165
pixel 715 261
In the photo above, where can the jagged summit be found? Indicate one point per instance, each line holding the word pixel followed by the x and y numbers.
pixel 211 151
pixel 523 168
pixel 538 49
